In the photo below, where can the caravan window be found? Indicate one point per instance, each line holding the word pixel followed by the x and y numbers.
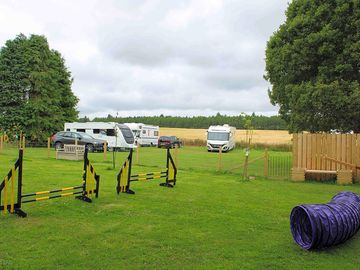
pixel 110 132
pixel 99 131
pixel 144 131
pixel 156 133
pixel 80 130
pixel 218 136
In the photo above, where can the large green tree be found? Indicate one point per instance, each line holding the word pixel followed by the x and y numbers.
pixel 35 88
pixel 313 65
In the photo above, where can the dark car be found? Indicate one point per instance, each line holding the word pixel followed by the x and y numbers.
pixel 69 137
pixel 169 142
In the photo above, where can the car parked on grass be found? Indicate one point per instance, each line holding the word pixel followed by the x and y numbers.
pixel 169 142
pixel 67 137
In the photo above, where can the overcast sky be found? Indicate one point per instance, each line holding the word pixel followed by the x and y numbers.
pixel 150 57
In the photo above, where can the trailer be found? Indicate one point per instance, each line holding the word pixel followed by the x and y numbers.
pixel 221 137
pixel 145 135
pixel 118 136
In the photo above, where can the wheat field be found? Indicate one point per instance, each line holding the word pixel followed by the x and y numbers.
pixel 259 136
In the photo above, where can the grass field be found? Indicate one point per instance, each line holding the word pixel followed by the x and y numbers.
pixel 259 136
pixel 210 220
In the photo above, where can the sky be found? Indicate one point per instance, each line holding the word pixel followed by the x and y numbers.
pixel 138 57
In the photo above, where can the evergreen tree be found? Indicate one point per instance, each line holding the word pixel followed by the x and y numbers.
pixel 35 88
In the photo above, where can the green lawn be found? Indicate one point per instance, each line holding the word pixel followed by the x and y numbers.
pixel 210 220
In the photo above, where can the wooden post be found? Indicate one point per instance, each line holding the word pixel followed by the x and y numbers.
pixel 137 154
pixel 176 157
pixel 48 146
pixel 1 142
pixel 246 164
pixel 23 142
pixel 220 159
pixel 20 138
pixel 266 163
pixel 105 149
pixel 113 157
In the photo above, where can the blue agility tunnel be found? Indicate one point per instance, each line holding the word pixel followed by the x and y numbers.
pixel 316 226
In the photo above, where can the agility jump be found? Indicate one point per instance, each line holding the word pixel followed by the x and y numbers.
pixel 84 192
pixel 124 178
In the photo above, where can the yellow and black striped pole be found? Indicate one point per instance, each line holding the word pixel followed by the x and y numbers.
pixel 5 195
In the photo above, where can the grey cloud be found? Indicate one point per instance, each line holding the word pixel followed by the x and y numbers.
pixel 140 57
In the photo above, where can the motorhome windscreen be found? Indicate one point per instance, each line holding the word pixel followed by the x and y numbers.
pixel 128 135
pixel 218 136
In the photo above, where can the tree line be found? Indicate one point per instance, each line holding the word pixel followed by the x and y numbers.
pixel 239 121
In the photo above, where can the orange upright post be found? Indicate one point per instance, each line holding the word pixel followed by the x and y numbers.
pixel 48 146
pixel 105 150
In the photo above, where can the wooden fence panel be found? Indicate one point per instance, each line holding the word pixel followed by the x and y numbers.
pixel 311 152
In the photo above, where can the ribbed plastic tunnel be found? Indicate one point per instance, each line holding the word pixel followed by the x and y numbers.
pixel 316 226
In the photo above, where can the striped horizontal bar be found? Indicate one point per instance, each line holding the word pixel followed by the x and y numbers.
pixel 148 178
pixel 50 191
pixel 52 197
pixel 146 174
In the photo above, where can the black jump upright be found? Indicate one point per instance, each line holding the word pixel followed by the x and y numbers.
pixel 84 192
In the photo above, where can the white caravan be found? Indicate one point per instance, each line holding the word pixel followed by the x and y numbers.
pixel 118 136
pixel 221 136
pixel 144 134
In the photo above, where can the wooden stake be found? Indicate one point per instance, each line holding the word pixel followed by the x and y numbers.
pixel 105 149
pixel 48 146
pixel 20 138
pixel 266 163
pixel 1 142
pixel 176 157
pixel 137 154
pixel 246 164
pixel 220 159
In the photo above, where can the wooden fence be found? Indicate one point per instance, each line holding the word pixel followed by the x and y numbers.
pixel 327 152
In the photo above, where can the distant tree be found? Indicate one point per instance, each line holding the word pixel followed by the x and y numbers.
pixel 84 119
pixel 35 88
pixel 312 62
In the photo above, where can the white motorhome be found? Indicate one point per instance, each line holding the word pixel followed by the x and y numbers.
pixel 118 136
pixel 144 134
pixel 221 136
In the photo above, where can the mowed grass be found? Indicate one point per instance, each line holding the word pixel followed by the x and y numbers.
pixel 271 137
pixel 210 220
